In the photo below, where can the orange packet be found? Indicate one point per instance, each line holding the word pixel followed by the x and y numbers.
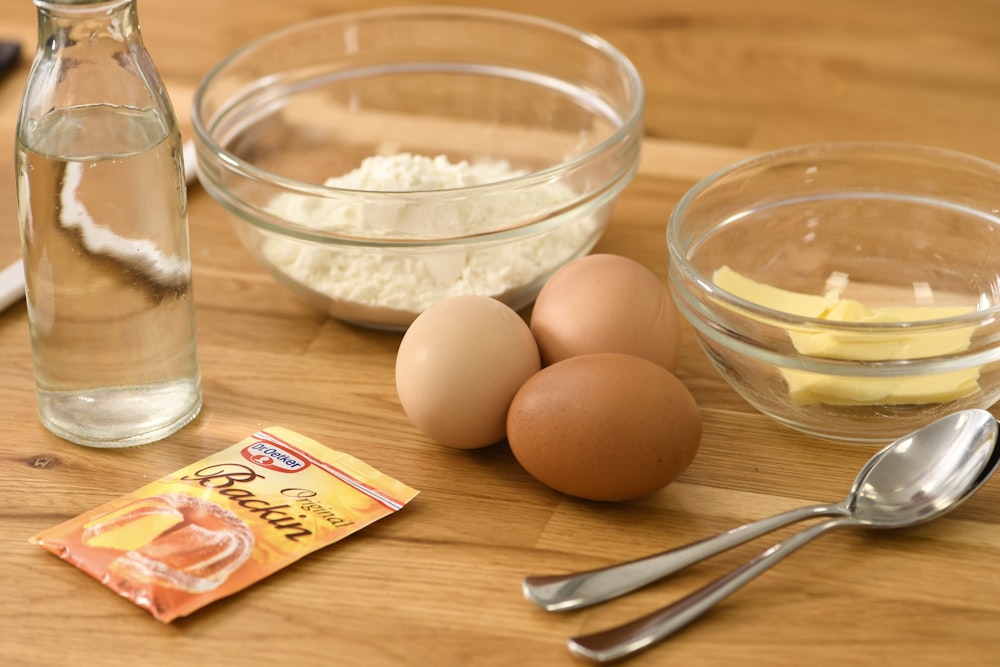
pixel 221 524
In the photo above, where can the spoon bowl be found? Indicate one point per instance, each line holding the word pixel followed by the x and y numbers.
pixel 925 474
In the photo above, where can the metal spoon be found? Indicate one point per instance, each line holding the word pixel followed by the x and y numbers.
pixel 563 592
pixel 914 480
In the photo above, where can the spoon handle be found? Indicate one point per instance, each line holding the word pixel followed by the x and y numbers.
pixel 624 640
pixel 573 591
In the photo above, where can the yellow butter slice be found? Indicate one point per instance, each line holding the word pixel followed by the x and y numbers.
pixel 785 301
pixel 809 388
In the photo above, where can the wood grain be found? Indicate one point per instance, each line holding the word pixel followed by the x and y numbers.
pixel 439 584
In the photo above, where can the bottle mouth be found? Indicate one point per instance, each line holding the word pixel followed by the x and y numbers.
pixel 81 7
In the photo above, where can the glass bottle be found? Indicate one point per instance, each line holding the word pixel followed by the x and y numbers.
pixel 102 206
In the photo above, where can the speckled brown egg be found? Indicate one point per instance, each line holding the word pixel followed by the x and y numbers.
pixel 458 366
pixel 604 426
pixel 606 303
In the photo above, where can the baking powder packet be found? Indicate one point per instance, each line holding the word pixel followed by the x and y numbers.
pixel 225 522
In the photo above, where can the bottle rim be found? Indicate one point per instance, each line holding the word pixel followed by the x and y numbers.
pixel 81 6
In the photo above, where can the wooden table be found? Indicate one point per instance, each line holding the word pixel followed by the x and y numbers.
pixel 439 583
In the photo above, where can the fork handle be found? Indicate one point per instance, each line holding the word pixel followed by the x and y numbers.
pixel 582 589
pixel 624 640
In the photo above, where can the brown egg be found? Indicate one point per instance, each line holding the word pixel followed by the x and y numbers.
pixel 606 303
pixel 604 426
pixel 458 367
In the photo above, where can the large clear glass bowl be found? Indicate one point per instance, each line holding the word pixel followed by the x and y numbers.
pixel 557 111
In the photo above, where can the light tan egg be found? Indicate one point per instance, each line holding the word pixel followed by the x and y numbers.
pixel 604 426
pixel 606 303
pixel 458 367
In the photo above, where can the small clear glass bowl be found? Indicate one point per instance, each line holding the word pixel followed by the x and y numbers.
pixel 557 111
pixel 885 225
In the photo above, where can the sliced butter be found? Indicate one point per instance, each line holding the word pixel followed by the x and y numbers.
pixel 875 346
pixel 808 388
pixel 786 301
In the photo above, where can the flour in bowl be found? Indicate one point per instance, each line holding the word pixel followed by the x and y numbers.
pixel 409 279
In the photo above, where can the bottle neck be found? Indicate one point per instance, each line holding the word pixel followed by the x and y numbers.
pixel 90 57
pixel 69 22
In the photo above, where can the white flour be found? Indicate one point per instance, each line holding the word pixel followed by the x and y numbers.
pixel 411 279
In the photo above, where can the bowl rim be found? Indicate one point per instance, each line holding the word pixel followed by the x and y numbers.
pixel 629 124
pixel 679 263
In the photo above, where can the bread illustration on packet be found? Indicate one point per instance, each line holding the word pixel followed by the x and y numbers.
pixel 173 540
